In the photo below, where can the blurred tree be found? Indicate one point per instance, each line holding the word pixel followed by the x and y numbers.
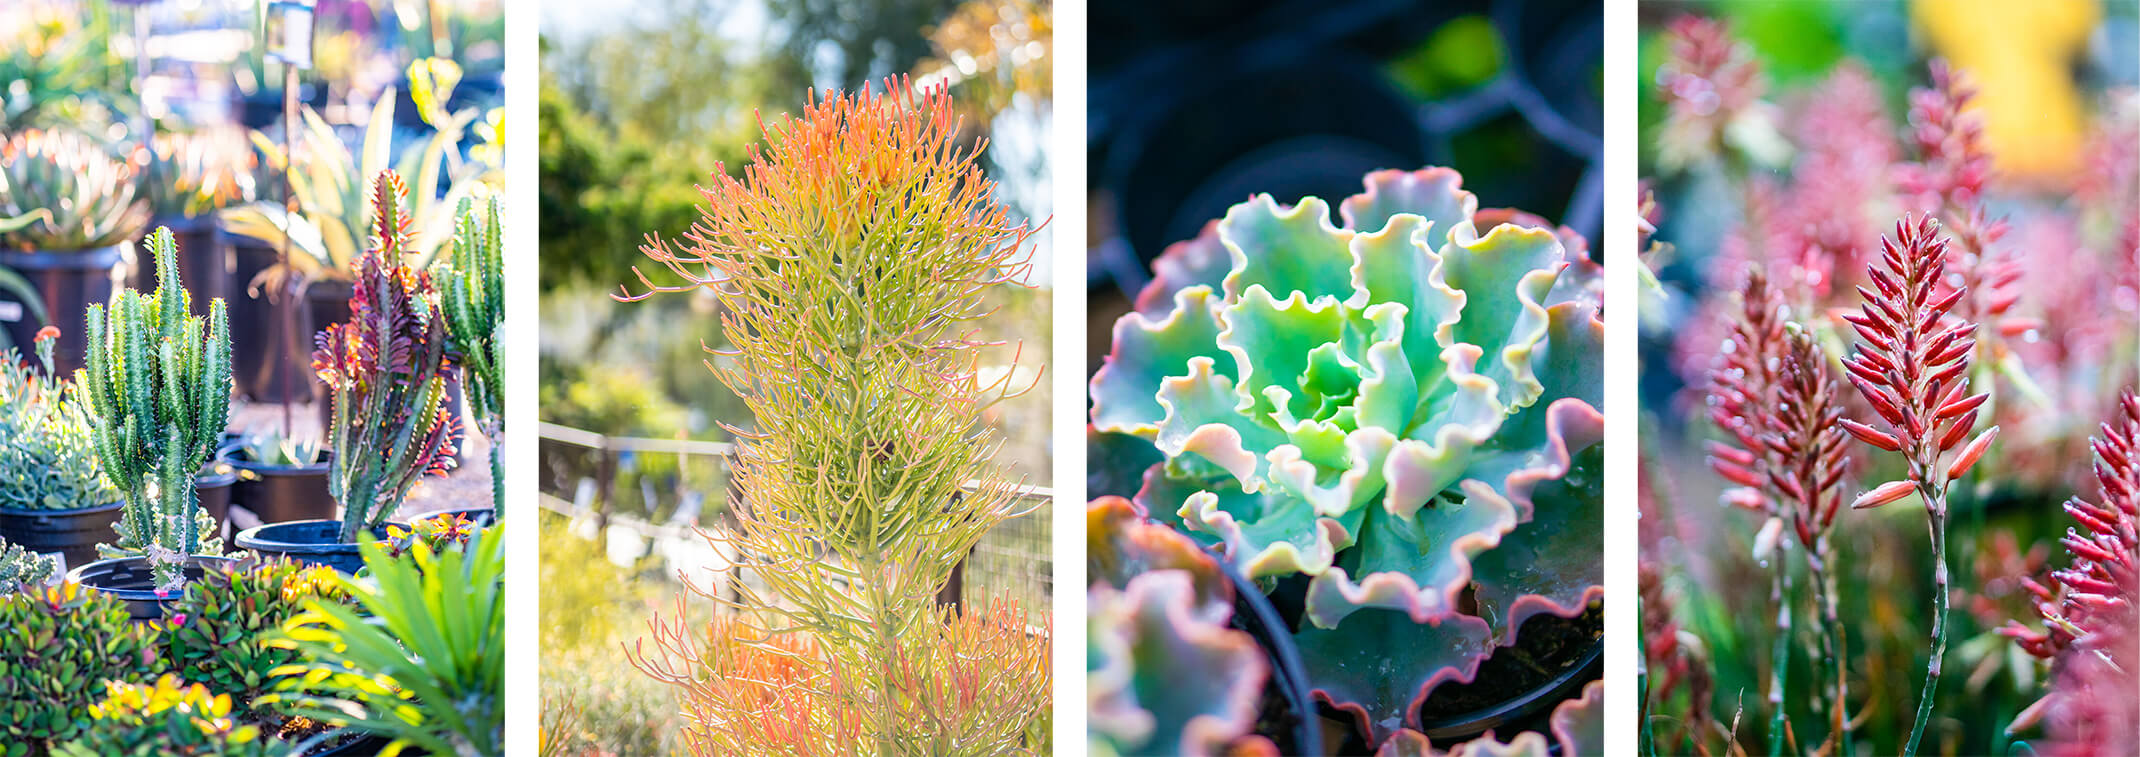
pixel 846 43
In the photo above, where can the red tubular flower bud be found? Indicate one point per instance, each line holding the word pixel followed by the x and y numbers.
pixel 1734 473
pixel 1958 407
pixel 1968 459
pixel 1883 494
pixel 1872 436
pixel 1731 453
pixel 1945 303
pixel 1955 433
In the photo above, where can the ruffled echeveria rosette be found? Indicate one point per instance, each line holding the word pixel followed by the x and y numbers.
pixel 1403 410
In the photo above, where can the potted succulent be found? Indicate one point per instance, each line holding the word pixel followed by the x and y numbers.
pixel 471 286
pixel 326 235
pixel 852 262
pixel 188 177
pixel 281 478
pixel 157 393
pixel 1391 425
pixel 387 369
pixel 53 496
pixel 80 247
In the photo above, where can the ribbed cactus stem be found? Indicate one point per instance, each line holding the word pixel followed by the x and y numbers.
pixel 387 369
pixel 157 388
pixel 472 295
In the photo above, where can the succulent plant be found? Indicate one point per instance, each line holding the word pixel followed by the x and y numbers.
pixel 49 462
pixel 221 630
pixel 387 370
pixel 22 569
pixel 62 643
pixel 157 392
pixel 267 445
pixel 472 295
pixel 164 718
pixel 188 174
pixel 328 234
pixel 1400 408
pixel 83 196
pixel 1164 672
pixel 416 655
pixel 851 261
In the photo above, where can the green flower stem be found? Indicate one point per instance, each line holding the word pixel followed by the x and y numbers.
pixel 1780 658
pixel 1936 505
pixel 1832 643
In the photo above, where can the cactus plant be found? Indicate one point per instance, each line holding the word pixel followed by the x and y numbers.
pixel 164 718
pixel 472 295
pixel 63 642
pixel 84 197
pixel 49 462
pixel 851 261
pixel 157 392
pixel 386 370
pixel 1402 409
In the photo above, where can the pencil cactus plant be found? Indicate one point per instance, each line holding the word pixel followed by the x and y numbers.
pixel 1402 409
pixel 851 262
pixel 472 297
pixel 386 370
pixel 157 392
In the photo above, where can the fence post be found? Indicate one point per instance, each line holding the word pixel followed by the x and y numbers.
pixel 605 483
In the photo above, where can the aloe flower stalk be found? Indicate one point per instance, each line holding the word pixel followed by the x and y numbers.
pixel 2091 610
pixel 472 298
pixel 157 393
pixel 387 370
pixel 1804 430
pixel 1398 408
pixel 1912 367
pixel 852 262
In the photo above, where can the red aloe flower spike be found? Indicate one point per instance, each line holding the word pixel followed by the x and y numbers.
pixel 1925 414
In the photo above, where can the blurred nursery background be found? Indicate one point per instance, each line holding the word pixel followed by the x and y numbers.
pixel 121 116
pixel 1787 139
pixel 640 100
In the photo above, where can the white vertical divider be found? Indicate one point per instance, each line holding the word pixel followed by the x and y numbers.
pixel 1066 155
pixel 1622 411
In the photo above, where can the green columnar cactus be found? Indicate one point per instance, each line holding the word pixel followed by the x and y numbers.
pixel 387 368
pixel 472 295
pixel 157 392
pixel 49 461
pixel 1402 409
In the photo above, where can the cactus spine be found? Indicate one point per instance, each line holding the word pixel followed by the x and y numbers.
pixel 472 293
pixel 157 388
pixel 387 368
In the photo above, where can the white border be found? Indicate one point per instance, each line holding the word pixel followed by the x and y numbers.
pixel 1067 161
pixel 1622 412
pixel 523 632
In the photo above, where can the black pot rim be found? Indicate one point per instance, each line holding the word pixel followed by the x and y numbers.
pixel 72 259
pixel 1255 615
pixel 1550 693
pixel 251 538
pixel 214 479
pixel 183 224
pixel 142 595
pixel 238 461
pixel 93 510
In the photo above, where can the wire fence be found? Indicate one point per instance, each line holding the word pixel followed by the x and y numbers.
pixel 653 498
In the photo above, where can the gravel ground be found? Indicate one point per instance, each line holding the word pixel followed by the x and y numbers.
pixel 467 486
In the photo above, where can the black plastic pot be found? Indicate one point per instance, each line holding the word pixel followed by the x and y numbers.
pixel 266 344
pixel 68 281
pixel 343 742
pixel 131 579
pixel 73 534
pixel 312 542
pixel 1287 705
pixel 204 263
pixel 213 489
pixel 282 493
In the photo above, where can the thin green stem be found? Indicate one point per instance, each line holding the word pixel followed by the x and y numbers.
pixel 1937 507
pixel 1648 747
pixel 1832 644
pixel 1779 665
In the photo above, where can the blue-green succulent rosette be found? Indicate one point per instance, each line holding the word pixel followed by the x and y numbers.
pixel 1403 408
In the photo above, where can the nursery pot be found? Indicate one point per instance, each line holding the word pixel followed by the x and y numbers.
pixel 213 487
pixel 1558 656
pixel 1287 710
pixel 346 742
pixel 131 579
pixel 263 349
pixel 203 260
pixel 74 534
pixel 68 281
pixel 283 493
pixel 311 542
